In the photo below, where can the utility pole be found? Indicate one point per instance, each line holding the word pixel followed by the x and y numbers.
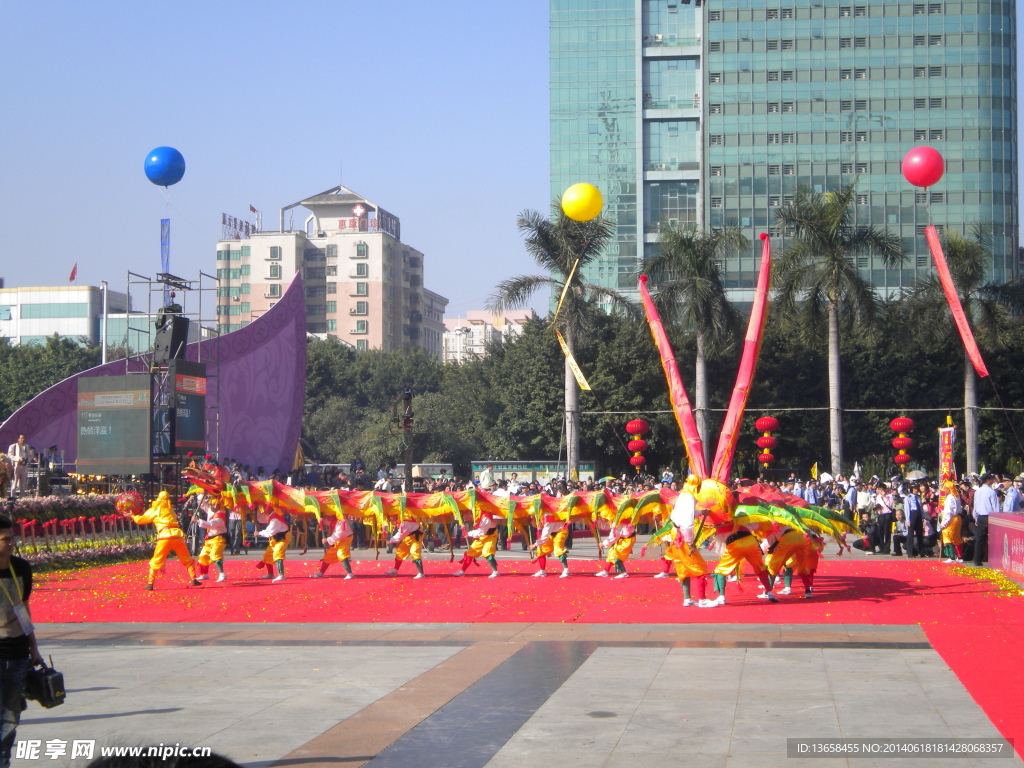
pixel 406 425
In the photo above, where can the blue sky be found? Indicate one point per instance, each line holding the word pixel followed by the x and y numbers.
pixel 436 111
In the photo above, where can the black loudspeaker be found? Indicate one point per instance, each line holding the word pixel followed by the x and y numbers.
pixel 171 340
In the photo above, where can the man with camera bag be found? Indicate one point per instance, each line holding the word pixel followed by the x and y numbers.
pixel 18 649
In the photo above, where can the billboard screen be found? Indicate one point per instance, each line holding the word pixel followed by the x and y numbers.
pixel 113 425
pixel 189 381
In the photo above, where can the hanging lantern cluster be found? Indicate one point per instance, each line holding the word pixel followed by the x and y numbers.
pixel 902 425
pixel 766 425
pixel 637 445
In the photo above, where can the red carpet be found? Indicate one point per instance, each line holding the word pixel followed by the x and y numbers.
pixel 976 626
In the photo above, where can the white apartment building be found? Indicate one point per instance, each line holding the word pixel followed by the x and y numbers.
pixel 363 285
pixel 31 315
pixel 466 338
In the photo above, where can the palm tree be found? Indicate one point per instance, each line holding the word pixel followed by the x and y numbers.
pixel 991 309
pixel 690 292
pixel 556 244
pixel 817 278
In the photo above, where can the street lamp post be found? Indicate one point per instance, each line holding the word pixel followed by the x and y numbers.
pixel 406 425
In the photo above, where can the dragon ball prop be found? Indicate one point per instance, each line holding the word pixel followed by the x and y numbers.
pixel 582 202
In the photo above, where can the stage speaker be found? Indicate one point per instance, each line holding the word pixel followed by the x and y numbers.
pixel 171 340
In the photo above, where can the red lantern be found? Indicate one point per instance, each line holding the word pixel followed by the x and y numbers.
pixel 767 424
pixel 922 167
pixel 902 424
pixel 766 458
pixel 637 446
pixel 637 461
pixel 766 441
pixel 901 458
pixel 637 427
pixel 902 443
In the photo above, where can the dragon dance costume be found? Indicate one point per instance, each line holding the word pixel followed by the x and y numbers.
pixel 339 545
pixel 409 538
pixel 278 536
pixel 169 538
pixel 620 546
pixel 216 541
pixel 485 544
pixel 551 541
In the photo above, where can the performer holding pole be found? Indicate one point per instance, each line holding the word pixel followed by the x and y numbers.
pixel 216 527
pixel 551 541
pixel 339 545
pixel 409 538
pixel 278 535
pixel 485 544
pixel 620 546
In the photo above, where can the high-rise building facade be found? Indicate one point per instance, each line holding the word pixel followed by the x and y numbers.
pixel 714 114
pixel 363 285
pixel 32 315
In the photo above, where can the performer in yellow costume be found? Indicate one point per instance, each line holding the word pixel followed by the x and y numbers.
pixel 690 568
pixel 408 537
pixel 169 538
pixel 740 544
pixel 485 544
pixel 951 523
pixel 278 535
pixel 339 547
pixel 620 546
pixel 551 541
pixel 216 527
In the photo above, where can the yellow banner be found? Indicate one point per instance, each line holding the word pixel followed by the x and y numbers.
pixel 580 378
pixel 565 290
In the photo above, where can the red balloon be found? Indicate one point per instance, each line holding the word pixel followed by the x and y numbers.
pixel 766 441
pixel 923 166
pixel 765 458
pixel 766 424
pixel 901 458
pixel 637 427
pixel 902 443
pixel 637 461
pixel 637 446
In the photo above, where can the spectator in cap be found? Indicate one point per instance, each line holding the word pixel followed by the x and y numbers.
pixel 1012 499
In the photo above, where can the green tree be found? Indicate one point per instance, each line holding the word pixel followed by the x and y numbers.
pixel 690 292
pixel 818 278
pixel 992 310
pixel 28 369
pixel 563 248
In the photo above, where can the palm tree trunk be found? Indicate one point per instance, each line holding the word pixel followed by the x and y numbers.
pixel 572 415
pixel 701 399
pixel 970 415
pixel 835 413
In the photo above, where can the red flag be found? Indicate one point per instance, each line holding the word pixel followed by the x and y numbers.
pixel 932 236
pixel 251 208
pixel 74 273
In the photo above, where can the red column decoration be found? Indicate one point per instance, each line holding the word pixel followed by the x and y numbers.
pixel 766 425
pixel 902 425
pixel 637 445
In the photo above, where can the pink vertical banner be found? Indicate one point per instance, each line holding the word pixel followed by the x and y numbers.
pixel 947 442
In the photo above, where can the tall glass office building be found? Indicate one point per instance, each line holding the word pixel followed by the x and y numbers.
pixel 715 114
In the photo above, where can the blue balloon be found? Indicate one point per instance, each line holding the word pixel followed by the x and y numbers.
pixel 165 166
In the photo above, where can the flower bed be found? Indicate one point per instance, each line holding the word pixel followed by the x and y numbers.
pixel 85 555
pixel 44 508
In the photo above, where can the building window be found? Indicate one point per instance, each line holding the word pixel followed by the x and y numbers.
pixel 716 202
pixel 362 250
pixel 362 289
pixel 938 197
pixel 273 290
pixel 845 105
pixel 773 45
pixel 245 251
pixel 860 104
pixel 774 170
pixel 332 288
pixel 332 326
pixel 275 252
pixel 331 251
pixel 920 9
pixel 934 9
pixel 847 167
pixel 362 270
pixel 846 42
pixel 717 170
pixel 920 103
pixel 362 326
pixel 789 138
pixel 715 46
pixel 245 269
pixel 788 106
pixel 938 135
pixel 936 103
pixel 774 138
pixel 845 12
pixel 331 307
pixel 935 71
pixel 862 167
pixel 771 13
pixel 846 74
pixel 715 139
pixel 787 75
pixel 714 109
pixel 714 15
pixel 860 11
pixel 245 288
pixel 362 344
pixel 787 13
pixel 860 42
pixel 921 198
pixel 788 170
pixel 773 201
pixel 920 72
pixel 773 107
pixel 773 77
pixel 715 77
pixel 223 255
pixel 332 270
pixel 846 136
pixel 362 308
pixel 920 40
pixel 934 40
pixel 274 271
pixel 786 45
pixel 862 136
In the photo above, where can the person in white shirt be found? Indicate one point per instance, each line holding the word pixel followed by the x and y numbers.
pixel 19 453
pixel 620 546
pixel 485 544
pixel 339 545
pixel 409 538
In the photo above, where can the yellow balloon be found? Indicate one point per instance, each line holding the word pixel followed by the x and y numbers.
pixel 582 202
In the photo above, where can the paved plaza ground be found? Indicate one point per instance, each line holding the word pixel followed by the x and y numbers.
pixel 712 691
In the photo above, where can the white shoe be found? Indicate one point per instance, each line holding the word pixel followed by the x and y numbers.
pixel 349 576
pixel 277 580
pixel 688 602
pixel 459 573
pixel 564 574
pixel 601 573
pixel 540 574
pixel 662 575
pixel 948 560
pixel 707 604
pixel 418 576
pixel 391 572
pixel 317 575
pixel 733 578
pixel 621 576
pixel 222 577
pixel 785 591
pixel 494 575
pixel 203 576
pixel 958 560
pixel 720 600
pixel 764 595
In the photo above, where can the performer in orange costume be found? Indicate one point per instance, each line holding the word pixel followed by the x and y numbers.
pixel 169 538
pixel 216 527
